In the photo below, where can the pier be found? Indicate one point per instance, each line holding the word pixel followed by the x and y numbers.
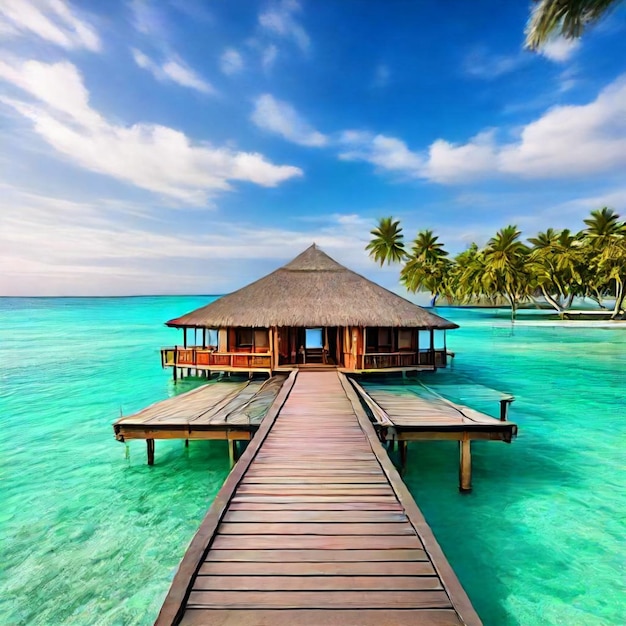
pixel 403 417
pixel 315 527
pixel 227 410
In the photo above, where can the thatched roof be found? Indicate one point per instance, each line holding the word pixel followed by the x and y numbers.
pixel 312 290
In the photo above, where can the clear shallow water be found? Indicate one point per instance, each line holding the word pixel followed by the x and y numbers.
pixel 90 537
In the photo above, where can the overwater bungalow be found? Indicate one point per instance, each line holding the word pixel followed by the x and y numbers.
pixel 311 313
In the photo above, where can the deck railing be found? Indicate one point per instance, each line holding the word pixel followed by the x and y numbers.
pixel 194 356
pixel 209 358
pixel 383 360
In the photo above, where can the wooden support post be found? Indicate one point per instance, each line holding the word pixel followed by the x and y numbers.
pixel 175 373
pixel 231 452
pixel 186 443
pixel 504 408
pixel 432 348
pixel 403 447
pixel 465 466
pixel 391 445
pixel 150 446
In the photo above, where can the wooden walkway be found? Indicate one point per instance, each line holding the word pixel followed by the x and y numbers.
pixel 314 527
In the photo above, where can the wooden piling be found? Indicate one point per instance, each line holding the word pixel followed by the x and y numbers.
pixel 231 452
pixel 403 448
pixel 465 466
pixel 504 408
pixel 150 446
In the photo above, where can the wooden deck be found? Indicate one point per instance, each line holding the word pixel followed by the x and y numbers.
pixel 403 417
pixel 218 410
pixel 314 527
pixel 414 417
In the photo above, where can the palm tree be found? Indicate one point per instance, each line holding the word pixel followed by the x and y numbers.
pixel 603 225
pixel 467 277
pixel 568 18
pixel 426 269
pixel 556 264
pixel 506 270
pixel 387 242
pixel 427 248
pixel 605 237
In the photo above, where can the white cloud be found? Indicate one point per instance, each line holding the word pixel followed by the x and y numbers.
pixel 152 157
pixel 231 61
pixel 386 153
pixel 52 20
pixel 279 19
pixel 481 63
pixel 58 246
pixel 281 118
pixel 559 49
pixel 147 19
pixel 173 70
pixel 268 58
pixel 183 75
pixel 570 141
pixel 450 163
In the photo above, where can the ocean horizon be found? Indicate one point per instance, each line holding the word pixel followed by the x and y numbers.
pixel 92 535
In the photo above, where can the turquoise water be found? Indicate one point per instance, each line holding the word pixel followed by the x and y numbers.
pixel 91 537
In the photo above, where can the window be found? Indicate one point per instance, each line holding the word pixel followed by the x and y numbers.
pixel 384 337
pixel 261 338
pixel 245 337
pixel 405 339
pixel 372 339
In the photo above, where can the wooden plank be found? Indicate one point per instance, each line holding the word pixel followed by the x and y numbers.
pixel 328 568
pixel 358 479
pixel 348 505
pixel 349 517
pixel 451 583
pixel 315 542
pixel 314 556
pixel 312 498
pixel 320 617
pixel 174 603
pixel 314 489
pixel 317 583
pixel 318 599
pixel 315 529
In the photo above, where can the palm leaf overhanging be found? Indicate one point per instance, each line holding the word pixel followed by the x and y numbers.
pixel 567 18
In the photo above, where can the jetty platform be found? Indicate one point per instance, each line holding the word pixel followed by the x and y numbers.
pixel 230 410
pixel 314 527
pixel 401 416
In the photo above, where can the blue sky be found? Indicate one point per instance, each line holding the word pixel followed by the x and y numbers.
pixel 190 146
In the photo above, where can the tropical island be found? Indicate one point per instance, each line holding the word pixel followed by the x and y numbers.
pixel 555 267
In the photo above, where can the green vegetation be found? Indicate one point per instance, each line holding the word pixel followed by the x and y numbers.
pixel 567 18
pixel 556 265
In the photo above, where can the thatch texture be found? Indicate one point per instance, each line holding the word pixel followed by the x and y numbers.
pixel 312 290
